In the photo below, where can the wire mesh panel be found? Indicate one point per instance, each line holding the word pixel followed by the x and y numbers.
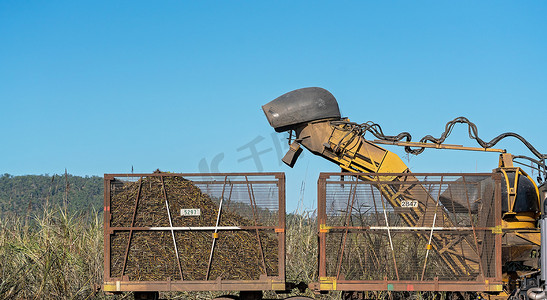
pixel 410 228
pixel 194 228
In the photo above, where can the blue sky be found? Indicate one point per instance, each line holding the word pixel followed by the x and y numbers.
pixel 100 86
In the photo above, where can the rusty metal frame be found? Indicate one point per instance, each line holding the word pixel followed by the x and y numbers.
pixel 265 282
pixel 132 225
pixel 215 236
pixel 170 225
pixel 253 207
pixel 326 283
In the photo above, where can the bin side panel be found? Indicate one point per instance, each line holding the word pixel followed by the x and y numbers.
pixel 157 216
pixel 410 227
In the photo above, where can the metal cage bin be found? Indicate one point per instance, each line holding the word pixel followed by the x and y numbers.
pixel 409 232
pixel 194 232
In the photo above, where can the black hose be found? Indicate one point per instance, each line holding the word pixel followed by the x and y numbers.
pixel 474 134
pixel 376 130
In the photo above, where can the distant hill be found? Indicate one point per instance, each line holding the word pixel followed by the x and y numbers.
pixel 30 193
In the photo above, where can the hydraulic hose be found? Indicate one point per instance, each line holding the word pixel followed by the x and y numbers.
pixel 536 293
pixel 376 130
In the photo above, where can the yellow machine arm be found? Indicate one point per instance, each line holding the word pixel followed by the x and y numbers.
pixel 355 154
pixel 351 152
pixel 313 116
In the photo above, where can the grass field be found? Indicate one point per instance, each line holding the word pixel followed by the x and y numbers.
pixel 55 255
pixel 59 255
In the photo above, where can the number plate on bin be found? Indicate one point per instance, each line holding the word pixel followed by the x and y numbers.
pixel 409 203
pixel 186 212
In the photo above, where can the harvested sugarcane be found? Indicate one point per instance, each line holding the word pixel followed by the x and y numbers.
pixel 161 201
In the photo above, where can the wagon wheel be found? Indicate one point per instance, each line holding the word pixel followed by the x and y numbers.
pixel 146 295
pixel 353 295
pixel 227 297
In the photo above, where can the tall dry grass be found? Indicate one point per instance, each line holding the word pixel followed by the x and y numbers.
pixel 59 255
pixel 54 255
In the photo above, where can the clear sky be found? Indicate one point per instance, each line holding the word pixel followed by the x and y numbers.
pixel 103 86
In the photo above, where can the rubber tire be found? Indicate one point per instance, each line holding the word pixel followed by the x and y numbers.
pixel 226 297
pixel 146 295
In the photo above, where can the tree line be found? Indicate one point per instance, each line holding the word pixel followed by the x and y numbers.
pixel 30 194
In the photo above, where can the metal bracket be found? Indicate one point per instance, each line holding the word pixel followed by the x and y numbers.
pixel 292 155
pixel 327 283
pixel 497 230
pixel 323 228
